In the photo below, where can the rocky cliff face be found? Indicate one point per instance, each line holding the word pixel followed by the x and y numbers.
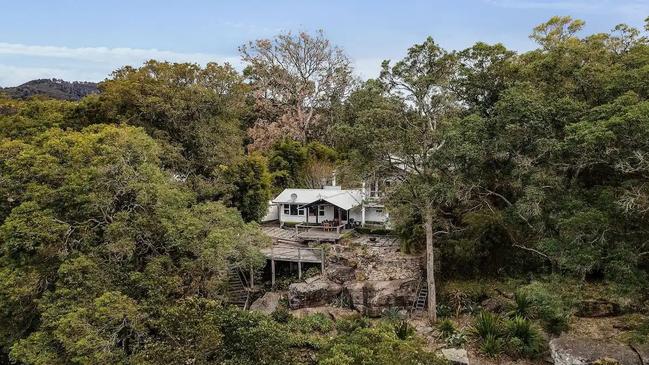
pixel 369 276
pixel 52 88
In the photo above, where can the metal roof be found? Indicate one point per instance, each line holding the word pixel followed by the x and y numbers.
pixel 345 199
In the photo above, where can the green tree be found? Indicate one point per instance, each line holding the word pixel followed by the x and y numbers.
pixel 252 183
pixel 100 248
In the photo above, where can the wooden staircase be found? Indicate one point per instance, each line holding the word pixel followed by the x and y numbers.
pixel 422 298
pixel 238 293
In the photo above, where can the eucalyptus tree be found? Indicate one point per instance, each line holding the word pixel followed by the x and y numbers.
pixel 295 78
pixel 418 142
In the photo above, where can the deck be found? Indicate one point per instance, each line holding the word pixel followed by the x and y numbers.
pixel 293 253
pixel 283 252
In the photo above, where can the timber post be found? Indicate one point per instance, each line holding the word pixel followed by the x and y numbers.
pixel 299 263
pixel 272 267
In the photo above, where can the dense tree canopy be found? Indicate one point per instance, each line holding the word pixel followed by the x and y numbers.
pixel 101 248
pixel 121 213
pixel 544 150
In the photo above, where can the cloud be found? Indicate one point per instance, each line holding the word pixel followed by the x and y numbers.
pixel 85 63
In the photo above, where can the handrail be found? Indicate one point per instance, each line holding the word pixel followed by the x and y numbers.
pixel 298 252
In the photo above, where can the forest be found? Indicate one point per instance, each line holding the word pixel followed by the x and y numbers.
pixel 122 212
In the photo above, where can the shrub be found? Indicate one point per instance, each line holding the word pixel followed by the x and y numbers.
pixel 392 314
pixel 314 323
pixel 457 339
pixel 524 338
pixel 534 301
pixel 491 345
pixel 281 314
pixel 444 310
pixel 403 330
pixel 524 305
pixel 377 345
pixel 446 328
pixel 349 325
pixel 487 325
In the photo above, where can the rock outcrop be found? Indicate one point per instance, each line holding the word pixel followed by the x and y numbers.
pixel 568 350
pixel 372 298
pixel 456 356
pixel 313 294
pixel 268 303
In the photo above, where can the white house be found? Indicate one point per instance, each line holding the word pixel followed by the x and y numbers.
pixel 330 204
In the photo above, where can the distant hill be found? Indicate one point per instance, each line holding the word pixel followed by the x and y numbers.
pixel 53 88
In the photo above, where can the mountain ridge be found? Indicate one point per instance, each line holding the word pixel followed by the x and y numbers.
pixel 52 88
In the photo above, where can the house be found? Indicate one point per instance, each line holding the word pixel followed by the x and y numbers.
pixel 331 205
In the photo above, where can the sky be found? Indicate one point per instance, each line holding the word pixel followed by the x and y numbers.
pixel 85 40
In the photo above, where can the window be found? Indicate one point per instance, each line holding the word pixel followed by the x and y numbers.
pixel 379 211
pixel 287 209
pixel 300 211
pixel 321 210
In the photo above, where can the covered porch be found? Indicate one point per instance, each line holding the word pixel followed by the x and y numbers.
pixel 327 215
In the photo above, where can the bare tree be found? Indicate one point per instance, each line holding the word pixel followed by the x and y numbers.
pixel 294 77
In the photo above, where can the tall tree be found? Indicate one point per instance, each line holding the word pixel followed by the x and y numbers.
pixel 194 112
pixel 294 78
pixel 417 145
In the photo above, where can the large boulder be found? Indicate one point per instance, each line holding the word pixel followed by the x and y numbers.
pixel 569 350
pixel 456 356
pixel 313 294
pixel 372 298
pixel 268 303
pixel 340 273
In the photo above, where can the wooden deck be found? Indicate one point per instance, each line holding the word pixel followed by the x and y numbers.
pixel 282 252
pixel 318 235
pixel 293 253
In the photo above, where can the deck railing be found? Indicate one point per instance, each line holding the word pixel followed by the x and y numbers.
pixel 297 254
pixel 324 227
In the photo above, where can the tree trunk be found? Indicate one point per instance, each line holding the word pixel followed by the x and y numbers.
pixel 430 266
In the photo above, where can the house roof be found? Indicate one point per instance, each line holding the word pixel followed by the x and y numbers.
pixel 345 199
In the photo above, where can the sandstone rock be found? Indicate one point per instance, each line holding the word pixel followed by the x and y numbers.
pixel 312 294
pixel 598 308
pixel 340 273
pixel 456 356
pixel 568 350
pixel 371 298
pixel 268 303
pixel 643 351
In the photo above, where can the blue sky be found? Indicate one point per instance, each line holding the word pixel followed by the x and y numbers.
pixel 86 40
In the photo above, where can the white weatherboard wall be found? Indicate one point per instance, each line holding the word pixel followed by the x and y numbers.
pixel 288 218
pixel 301 218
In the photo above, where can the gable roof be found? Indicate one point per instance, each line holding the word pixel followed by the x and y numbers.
pixel 345 199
